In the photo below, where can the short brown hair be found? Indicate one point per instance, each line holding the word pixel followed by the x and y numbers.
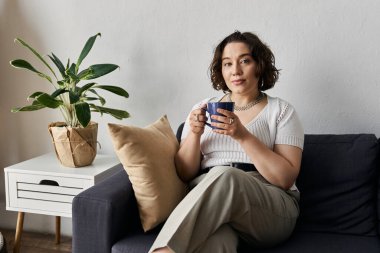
pixel 261 54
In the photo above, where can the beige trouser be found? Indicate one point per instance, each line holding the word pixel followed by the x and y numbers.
pixel 225 204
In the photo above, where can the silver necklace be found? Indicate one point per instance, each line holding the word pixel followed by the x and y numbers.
pixel 249 105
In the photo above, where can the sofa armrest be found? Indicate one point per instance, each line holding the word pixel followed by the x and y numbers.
pixel 103 214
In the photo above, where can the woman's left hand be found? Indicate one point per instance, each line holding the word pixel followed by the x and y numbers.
pixel 229 124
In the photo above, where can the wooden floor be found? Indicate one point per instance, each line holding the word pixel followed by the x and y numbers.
pixel 37 243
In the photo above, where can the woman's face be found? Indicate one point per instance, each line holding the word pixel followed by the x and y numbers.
pixel 239 68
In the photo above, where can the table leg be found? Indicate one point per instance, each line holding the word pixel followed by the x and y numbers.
pixel 57 230
pixel 19 227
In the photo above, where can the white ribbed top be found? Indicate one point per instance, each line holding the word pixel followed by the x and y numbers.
pixel 277 123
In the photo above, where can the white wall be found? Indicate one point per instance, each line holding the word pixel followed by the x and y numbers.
pixel 328 52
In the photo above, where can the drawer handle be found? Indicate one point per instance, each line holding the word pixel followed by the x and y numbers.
pixel 49 182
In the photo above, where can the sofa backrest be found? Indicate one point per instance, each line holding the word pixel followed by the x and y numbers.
pixel 378 193
pixel 339 184
pixel 179 131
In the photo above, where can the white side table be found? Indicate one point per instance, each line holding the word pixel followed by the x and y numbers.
pixel 42 185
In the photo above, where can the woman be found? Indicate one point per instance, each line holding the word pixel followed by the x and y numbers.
pixel 242 175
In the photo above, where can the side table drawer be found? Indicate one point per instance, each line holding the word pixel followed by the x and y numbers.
pixel 43 193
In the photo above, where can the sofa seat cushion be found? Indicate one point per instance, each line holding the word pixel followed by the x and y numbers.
pixel 309 242
pixel 134 244
pixel 338 184
pixel 137 242
pixel 299 242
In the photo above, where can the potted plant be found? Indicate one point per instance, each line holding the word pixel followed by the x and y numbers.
pixel 75 139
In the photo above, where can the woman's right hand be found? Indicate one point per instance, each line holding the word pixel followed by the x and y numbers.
pixel 198 120
pixel 188 157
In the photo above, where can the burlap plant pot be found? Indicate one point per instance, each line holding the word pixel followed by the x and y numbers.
pixel 74 146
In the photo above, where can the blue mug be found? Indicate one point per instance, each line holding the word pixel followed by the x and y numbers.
pixel 212 110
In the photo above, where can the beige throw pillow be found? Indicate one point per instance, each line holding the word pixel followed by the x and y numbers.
pixel 147 155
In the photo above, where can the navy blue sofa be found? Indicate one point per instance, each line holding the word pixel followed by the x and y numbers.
pixel 340 204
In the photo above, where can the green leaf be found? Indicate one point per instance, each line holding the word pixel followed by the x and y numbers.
pixel 83 113
pixel 71 73
pixel 61 83
pixel 28 108
pixel 84 73
pixel 85 87
pixel 22 64
pixel 59 65
pixel 68 63
pixel 74 97
pixel 99 70
pixel 89 98
pixel 72 68
pixel 102 100
pixel 87 47
pixel 58 92
pixel 48 100
pixel 119 114
pixel 114 89
pixel 35 53
pixel 35 94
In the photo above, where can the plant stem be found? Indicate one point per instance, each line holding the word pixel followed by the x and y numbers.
pixel 66 108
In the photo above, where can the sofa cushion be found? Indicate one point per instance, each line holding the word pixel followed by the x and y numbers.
pixel 309 242
pixel 302 242
pixel 338 184
pixel 147 155
pixel 137 241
